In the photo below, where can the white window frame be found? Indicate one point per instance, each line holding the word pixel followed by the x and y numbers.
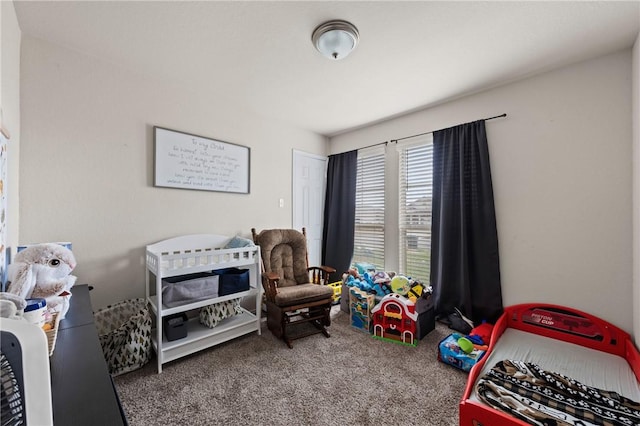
pixel 393 240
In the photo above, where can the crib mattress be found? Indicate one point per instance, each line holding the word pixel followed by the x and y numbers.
pixel 589 366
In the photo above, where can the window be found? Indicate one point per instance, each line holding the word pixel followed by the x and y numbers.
pixel 415 195
pixel 369 226
pixel 403 210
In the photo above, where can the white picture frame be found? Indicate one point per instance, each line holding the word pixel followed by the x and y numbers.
pixel 186 161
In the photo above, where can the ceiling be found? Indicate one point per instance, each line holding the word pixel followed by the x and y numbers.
pixel 258 56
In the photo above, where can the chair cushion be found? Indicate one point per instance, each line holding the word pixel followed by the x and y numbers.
pixel 284 251
pixel 302 293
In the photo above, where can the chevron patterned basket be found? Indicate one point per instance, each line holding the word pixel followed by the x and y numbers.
pixel 124 330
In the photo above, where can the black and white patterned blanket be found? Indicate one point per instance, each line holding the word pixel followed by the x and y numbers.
pixel 545 398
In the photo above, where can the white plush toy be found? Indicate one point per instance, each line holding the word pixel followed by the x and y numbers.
pixel 11 306
pixel 43 270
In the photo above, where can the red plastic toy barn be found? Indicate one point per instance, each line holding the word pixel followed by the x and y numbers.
pixel 394 319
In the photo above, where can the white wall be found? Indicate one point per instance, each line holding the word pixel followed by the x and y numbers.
pixel 636 189
pixel 10 103
pixel 562 181
pixel 87 165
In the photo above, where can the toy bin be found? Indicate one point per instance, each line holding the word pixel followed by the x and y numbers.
pixel 183 289
pixel 232 280
pixel 450 352
pixel 175 326
pixel 124 330
pixel 426 316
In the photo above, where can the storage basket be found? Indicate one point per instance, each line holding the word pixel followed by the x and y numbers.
pixel 211 315
pixel 52 333
pixel 175 326
pixel 125 335
pixel 183 289
pixel 232 280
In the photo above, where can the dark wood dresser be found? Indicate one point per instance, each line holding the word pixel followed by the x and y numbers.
pixel 82 389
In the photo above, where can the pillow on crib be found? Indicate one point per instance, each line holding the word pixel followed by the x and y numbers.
pixel 237 242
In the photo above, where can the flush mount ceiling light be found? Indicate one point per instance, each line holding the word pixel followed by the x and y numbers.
pixel 335 39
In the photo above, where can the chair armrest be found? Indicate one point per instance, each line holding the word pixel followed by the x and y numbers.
pixel 270 285
pixel 320 274
pixel 272 276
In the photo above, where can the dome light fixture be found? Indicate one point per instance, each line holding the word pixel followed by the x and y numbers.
pixel 335 39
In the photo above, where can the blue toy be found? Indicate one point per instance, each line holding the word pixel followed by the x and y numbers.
pixel 450 352
pixel 378 289
pixel 381 289
pixel 368 277
pixel 361 284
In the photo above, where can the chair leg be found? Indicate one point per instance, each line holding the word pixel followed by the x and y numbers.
pixel 322 328
pixel 275 320
pixel 288 342
pixel 323 322
pixel 285 321
pixel 279 320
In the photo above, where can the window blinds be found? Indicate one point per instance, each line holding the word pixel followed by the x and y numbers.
pixel 369 226
pixel 415 197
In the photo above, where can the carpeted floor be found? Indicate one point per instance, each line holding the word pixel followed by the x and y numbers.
pixel 348 379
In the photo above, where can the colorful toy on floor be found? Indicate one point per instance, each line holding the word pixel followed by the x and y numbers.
pixel 360 304
pixel 337 291
pixel 450 352
pixel 394 319
pixel 481 332
pixel 465 344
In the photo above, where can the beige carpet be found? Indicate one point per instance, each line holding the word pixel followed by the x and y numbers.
pixel 348 379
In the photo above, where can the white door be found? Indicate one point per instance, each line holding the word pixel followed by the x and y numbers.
pixel 309 174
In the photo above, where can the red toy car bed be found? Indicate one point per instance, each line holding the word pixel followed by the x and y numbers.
pixel 514 382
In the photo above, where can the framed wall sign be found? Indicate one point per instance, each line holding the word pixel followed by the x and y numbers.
pixel 187 161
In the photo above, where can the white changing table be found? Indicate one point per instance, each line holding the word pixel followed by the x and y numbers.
pixel 191 254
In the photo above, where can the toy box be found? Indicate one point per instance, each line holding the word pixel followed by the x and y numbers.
pixel 426 316
pixel 450 353
pixel 360 305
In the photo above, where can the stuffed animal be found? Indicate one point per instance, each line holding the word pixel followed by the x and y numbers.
pixel 43 270
pixel 11 306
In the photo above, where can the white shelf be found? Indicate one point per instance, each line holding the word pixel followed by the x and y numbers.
pixel 153 301
pixel 200 337
pixel 198 253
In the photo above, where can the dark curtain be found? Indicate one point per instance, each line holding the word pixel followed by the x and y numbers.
pixel 340 212
pixel 465 269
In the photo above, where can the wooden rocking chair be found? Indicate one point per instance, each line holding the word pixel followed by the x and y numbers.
pixel 294 292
